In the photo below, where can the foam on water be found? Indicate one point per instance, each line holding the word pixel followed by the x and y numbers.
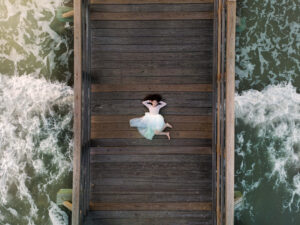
pixel 35 144
pixel 267 51
pixel 267 155
pixel 29 44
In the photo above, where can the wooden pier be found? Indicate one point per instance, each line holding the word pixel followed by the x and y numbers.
pixel 124 50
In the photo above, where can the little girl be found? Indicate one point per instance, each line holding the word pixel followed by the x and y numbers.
pixel 152 122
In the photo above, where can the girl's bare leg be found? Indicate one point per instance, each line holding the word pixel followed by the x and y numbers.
pixel 163 133
pixel 167 125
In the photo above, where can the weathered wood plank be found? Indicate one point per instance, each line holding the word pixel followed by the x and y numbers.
pixel 152 48
pixel 170 118
pixel 150 150
pixel 155 72
pixel 206 31
pixel 124 126
pixel 151 158
pixel 163 64
pixel 152 7
pixel 151 15
pixel 150 79
pixel 149 1
pixel 76 217
pixel 186 98
pixel 106 56
pixel 230 92
pixel 150 87
pixel 156 24
pixel 144 142
pixel 135 134
pixel 150 197
pixel 197 206
pixel 180 40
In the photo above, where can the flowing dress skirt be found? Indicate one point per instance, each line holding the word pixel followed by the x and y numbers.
pixel 147 124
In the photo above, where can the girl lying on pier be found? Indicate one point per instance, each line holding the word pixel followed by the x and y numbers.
pixel 152 123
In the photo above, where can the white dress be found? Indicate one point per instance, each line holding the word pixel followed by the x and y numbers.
pixel 151 121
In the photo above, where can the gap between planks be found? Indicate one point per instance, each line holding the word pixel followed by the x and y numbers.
pixel 178 206
pixel 152 16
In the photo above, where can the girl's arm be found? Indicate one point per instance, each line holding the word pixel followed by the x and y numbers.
pixel 146 103
pixel 162 104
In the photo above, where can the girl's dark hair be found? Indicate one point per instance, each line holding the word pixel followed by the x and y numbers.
pixel 152 97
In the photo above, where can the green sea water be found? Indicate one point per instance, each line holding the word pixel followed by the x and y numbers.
pixel 267 148
pixel 36 111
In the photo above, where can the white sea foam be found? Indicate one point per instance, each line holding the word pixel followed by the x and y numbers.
pixel 275 114
pixel 57 216
pixel 33 114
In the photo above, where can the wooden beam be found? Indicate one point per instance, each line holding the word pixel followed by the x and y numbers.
pixel 135 134
pixel 149 87
pixel 77 113
pixel 230 92
pixel 152 16
pixel 151 150
pixel 180 206
pixel 110 2
pixel 170 118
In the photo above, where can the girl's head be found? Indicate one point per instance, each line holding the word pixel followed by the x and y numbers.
pixel 154 98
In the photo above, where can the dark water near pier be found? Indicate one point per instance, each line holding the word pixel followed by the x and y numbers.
pixel 268 112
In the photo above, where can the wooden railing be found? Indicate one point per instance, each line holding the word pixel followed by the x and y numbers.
pixel 225 22
pixel 80 201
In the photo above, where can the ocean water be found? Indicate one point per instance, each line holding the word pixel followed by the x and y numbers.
pixel 267 148
pixel 36 111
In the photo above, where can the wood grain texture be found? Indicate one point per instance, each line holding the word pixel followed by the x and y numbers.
pixel 154 24
pixel 151 7
pixel 179 206
pixel 150 150
pixel 149 87
pixel 151 15
pixel 149 1
pixel 151 32
pixel 76 196
pixel 230 92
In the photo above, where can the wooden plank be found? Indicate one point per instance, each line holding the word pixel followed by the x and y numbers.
pixel 99 110
pixel 153 150
pixel 151 16
pixel 151 158
pixel 152 221
pixel 152 7
pixel 97 57
pixel 150 197
pixel 149 87
pixel 152 48
pixel 155 72
pixel 178 206
pixel 186 98
pixel 135 134
pixel 230 92
pixel 172 40
pixel 163 64
pixel 177 126
pixel 156 24
pixel 171 118
pixel 143 142
pixel 150 79
pixel 206 31
pixel 110 2
pixel 76 217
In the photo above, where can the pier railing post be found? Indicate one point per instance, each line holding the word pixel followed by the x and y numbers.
pixel 230 92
